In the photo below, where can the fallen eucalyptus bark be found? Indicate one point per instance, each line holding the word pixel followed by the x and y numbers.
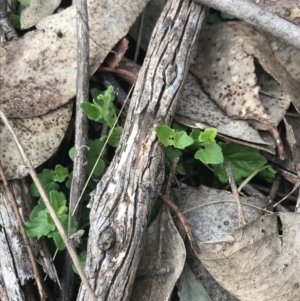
pixel 258 17
pixel 123 198
pixel 15 267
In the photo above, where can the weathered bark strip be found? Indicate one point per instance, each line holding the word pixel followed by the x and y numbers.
pixel 124 196
pixel 15 267
pixel 81 138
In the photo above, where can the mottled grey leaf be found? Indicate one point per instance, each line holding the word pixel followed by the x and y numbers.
pixel 39 136
pixel 38 72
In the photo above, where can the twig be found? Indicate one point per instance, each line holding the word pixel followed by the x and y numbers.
pixel 184 223
pixel 171 176
pixel 138 42
pixel 294 188
pixel 242 219
pixel 81 130
pixel 23 233
pixel 52 212
pixel 259 17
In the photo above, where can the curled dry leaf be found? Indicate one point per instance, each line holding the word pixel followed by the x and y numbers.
pixel 213 214
pixel 226 68
pixel 38 72
pixel 197 109
pixel 37 10
pixel 257 263
pixel 260 265
pixel 40 137
pixel 161 262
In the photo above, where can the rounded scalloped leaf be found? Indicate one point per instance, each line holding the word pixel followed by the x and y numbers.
pixel 39 136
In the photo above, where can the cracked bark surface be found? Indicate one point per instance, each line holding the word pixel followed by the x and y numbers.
pixel 122 201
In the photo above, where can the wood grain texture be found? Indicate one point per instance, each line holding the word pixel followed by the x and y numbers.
pixel 122 201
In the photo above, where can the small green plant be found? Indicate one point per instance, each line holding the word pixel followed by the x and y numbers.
pixel 245 161
pixel 103 110
pixel 57 182
pixel 207 149
pixel 40 222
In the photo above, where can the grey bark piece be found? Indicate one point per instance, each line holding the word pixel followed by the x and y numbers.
pixel 125 194
pixel 15 265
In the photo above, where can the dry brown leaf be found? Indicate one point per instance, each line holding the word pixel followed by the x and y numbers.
pixel 38 72
pixel 40 137
pixel 260 265
pixel 37 10
pixel 257 264
pixel 213 214
pixel 197 109
pixel 226 68
pixel 292 124
pixel 161 262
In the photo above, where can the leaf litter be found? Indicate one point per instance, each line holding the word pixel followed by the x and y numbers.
pixel 244 104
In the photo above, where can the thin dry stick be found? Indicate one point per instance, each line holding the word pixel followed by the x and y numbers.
pixel 171 176
pixel 242 219
pixel 81 137
pixel 184 223
pixel 294 188
pixel 297 208
pixel 52 212
pixel 138 42
pixel 23 233
pixel 259 17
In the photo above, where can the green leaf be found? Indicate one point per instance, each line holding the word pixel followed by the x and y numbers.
pixel 191 165
pixel 60 173
pixel 244 160
pixel 38 208
pixel 165 135
pixel 25 2
pixel 178 127
pixel 82 260
pixel 226 16
pixel 268 174
pixel 114 138
pixel 90 110
pixel 195 134
pixel 15 20
pixel 172 153
pixel 208 136
pixel 182 140
pixel 211 154
pixel 55 234
pixel 96 147
pixel 39 226
pixel 214 18
pixel 95 92
pixel 72 153
pixel 57 199
pixel 47 180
